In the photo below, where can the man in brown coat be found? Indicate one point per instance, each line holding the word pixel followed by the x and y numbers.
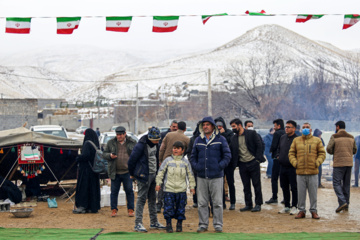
pixel 306 154
pixel 166 151
pixel 342 145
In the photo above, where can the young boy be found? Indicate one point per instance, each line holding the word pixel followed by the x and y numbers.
pixel 174 171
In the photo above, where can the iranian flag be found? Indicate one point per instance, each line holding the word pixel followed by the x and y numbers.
pixel 66 25
pixel 165 23
pixel 118 24
pixel 33 156
pixel 262 13
pixel 350 20
pixel 18 25
pixel 301 18
pixel 205 18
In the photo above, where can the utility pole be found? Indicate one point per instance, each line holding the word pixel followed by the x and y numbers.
pixel 209 93
pixel 137 110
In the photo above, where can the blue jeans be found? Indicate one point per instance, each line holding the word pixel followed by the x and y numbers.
pixel 128 188
pixel 270 164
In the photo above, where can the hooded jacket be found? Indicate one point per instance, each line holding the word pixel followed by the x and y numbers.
pixel 306 154
pixel 138 163
pixel 209 159
pixel 343 146
pixel 228 133
pixel 275 142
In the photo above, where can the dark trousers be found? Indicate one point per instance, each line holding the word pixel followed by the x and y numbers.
pixel 229 174
pixel 341 184
pixel 195 195
pixel 287 180
pixel 174 205
pixel 250 171
pixel 128 188
pixel 274 178
pixel 319 175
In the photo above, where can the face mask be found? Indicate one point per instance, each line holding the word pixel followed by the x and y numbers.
pixel 235 131
pixel 306 131
pixel 250 128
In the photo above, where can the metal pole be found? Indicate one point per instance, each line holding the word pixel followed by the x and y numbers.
pixel 209 93
pixel 137 110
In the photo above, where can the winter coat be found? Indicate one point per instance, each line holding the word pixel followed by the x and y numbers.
pixel 112 147
pixel 357 141
pixel 163 135
pixel 275 142
pixel 306 154
pixel 253 144
pixel 174 173
pixel 342 145
pixel 168 142
pixel 210 159
pixel 283 150
pixel 228 133
pixel 268 140
pixel 138 163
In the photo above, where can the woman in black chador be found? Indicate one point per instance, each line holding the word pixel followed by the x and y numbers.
pixel 87 198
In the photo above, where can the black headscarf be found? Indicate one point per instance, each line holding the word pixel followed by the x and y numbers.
pixel 92 136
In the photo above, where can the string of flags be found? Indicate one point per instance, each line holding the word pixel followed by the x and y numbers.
pixel 67 25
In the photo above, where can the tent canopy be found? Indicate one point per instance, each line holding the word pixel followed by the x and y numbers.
pixel 23 135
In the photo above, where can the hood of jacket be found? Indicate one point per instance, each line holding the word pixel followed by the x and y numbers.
pixel 210 120
pixel 317 132
pixel 220 119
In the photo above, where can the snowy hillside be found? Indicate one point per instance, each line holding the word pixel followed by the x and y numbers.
pixel 115 74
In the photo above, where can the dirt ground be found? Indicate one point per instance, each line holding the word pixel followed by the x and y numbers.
pixel 266 221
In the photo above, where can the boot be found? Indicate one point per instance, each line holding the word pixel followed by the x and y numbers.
pixel 169 228
pixel 179 226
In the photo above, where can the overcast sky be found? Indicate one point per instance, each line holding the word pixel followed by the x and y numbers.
pixel 191 35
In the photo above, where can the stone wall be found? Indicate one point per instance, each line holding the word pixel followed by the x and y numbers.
pixel 15 112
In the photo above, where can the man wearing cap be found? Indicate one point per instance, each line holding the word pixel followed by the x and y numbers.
pixel 209 157
pixel 143 166
pixel 117 152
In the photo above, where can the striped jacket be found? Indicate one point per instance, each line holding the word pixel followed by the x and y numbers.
pixel 173 173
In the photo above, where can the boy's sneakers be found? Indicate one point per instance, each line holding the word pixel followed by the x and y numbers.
pixel 218 229
pixel 139 228
pixel 285 210
pixel 201 229
pixel 293 211
pixel 157 226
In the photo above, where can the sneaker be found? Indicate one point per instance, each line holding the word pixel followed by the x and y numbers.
pixel 139 228
pixel 157 226
pixel 201 229
pixel 218 229
pixel 284 210
pixel 113 213
pixel 131 213
pixel 293 211
pixel 272 201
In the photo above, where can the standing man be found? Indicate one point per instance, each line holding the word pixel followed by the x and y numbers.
pixel 98 132
pixel 173 128
pixel 117 152
pixel 342 145
pixel 166 151
pixel 209 157
pixel 357 162
pixel 279 131
pixel 268 140
pixel 246 152
pixel 287 171
pixel 306 155
pixel 229 170
pixel 143 166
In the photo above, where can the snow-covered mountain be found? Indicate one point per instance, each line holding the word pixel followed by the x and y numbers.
pixel 116 74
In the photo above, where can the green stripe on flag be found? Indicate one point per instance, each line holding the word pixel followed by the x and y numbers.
pixel 352 16
pixel 166 18
pixel 220 14
pixel 19 19
pixel 118 18
pixel 67 19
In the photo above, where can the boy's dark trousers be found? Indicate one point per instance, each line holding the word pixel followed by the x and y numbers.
pixel 174 206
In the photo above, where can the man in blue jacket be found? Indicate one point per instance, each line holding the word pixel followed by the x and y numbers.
pixel 209 157
pixel 143 165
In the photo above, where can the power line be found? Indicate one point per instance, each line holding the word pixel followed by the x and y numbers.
pixel 105 81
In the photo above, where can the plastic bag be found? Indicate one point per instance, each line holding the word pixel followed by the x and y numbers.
pixel 52 203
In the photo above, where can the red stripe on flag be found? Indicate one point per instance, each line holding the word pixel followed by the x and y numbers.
pixel 346 26
pixel 206 19
pixel 17 30
pixel 302 20
pixel 65 31
pixel 168 29
pixel 116 29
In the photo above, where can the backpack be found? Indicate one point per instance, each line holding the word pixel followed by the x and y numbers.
pixel 100 164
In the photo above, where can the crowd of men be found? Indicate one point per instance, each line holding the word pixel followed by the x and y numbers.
pixel 211 155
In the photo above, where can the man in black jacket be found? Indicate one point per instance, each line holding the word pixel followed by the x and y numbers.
pixel 279 131
pixel 287 171
pixel 246 152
